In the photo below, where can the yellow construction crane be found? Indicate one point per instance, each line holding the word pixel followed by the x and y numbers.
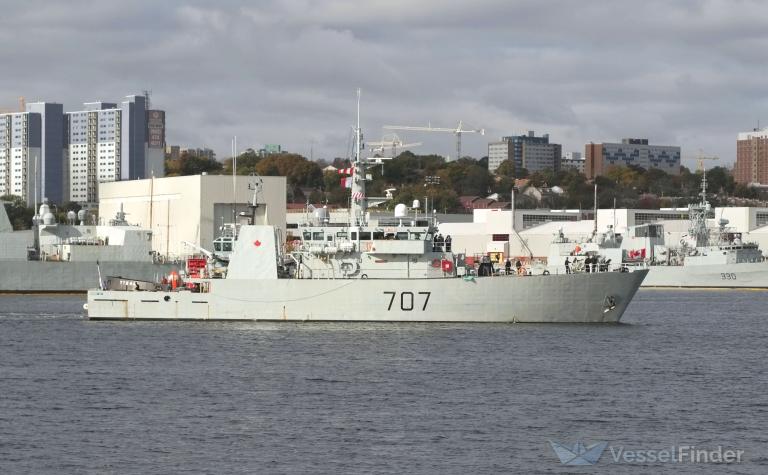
pixel 391 143
pixel 701 159
pixel 456 131
pixel 22 107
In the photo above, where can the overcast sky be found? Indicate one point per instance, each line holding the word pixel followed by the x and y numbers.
pixel 689 73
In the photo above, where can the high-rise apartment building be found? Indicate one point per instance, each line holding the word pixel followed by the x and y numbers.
pixel 527 151
pixel 108 142
pixel 94 149
pixel 752 158
pixel 638 152
pixel 31 145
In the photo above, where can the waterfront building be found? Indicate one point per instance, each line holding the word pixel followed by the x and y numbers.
pixel 527 151
pixel 600 156
pixel 752 158
pixel 191 208
pixel 31 152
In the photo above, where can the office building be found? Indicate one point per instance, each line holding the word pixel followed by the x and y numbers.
pixel 751 166
pixel 572 161
pixel 31 153
pixel 173 152
pixel 527 151
pixel 637 152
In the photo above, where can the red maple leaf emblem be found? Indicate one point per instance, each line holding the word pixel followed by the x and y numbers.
pixel 257 243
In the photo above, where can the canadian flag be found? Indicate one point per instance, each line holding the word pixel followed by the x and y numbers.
pixel 346 182
pixel 345 171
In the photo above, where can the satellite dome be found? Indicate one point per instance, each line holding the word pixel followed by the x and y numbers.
pixel 557 190
pixel 48 218
pixel 401 210
pixel 416 204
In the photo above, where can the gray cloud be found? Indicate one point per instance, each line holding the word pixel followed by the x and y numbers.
pixel 687 72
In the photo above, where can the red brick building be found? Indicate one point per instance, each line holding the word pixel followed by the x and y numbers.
pixel 752 157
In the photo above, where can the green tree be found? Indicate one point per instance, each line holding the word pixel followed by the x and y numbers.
pixel 191 164
pixel 19 214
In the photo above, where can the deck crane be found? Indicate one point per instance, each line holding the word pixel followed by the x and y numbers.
pixel 456 131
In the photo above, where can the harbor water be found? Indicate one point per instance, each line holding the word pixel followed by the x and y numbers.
pixel 686 368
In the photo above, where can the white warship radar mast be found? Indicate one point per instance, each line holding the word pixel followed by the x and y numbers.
pixel 359 203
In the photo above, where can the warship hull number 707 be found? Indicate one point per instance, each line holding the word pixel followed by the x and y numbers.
pixel 398 270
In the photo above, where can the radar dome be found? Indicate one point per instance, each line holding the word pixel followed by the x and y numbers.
pixel 71 216
pixel 557 190
pixel 48 218
pixel 81 215
pixel 401 210
pixel 44 209
pixel 416 204
pixel 321 214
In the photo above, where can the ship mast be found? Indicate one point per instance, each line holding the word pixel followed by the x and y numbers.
pixel 697 214
pixel 359 202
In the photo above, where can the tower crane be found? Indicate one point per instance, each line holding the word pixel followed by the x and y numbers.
pixel 701 159
pixel 458 130
pixel 390 142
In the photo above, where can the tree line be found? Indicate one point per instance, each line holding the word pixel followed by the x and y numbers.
pixel 443 183
pixel 414 177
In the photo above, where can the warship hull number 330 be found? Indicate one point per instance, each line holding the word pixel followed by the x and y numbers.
pixel 399 270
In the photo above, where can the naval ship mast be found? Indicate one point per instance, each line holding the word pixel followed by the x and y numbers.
pixel 359 202
pixel 697 213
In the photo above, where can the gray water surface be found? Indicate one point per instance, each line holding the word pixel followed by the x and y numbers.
pixel 686 367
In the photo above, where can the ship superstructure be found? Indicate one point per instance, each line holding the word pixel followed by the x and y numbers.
pixel 63 257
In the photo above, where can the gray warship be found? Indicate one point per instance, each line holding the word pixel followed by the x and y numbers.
pixel 706 257
pixel 396 270
pixel 62 257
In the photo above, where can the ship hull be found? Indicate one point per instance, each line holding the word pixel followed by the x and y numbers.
pixel 70 277
pixel 585 298
pixel 728 276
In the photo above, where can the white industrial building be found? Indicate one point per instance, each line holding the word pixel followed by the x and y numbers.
pixel 190 208
pixel 490 229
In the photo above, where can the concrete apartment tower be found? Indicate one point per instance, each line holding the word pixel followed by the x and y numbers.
pixel 31 153
pixel 108 142
pixel 94 149
pixel 752 158
pixel 134 137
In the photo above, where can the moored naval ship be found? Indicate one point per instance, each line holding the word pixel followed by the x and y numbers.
pixel 67 257
pixel 395 270
pixel 704 258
